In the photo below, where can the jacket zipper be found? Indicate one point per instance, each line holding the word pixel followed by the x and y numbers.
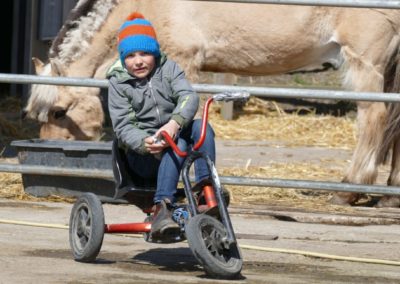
pixel 155 102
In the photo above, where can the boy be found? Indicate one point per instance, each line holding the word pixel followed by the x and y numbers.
pixel 149 93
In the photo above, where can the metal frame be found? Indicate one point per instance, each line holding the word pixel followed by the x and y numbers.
pixel 383 4
pixel 223 211
pixel 208 88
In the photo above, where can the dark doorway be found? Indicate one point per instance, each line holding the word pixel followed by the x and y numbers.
pixel 6 21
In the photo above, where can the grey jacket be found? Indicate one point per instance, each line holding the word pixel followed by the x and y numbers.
pixel 139 107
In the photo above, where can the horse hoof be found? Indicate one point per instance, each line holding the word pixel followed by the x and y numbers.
pixel 389 201
pixel 344 198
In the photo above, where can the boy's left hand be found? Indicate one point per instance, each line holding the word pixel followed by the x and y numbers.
pixel 172 128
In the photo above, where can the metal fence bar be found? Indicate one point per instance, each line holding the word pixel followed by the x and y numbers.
pixel 297 93
pixel 55 171
pixel 208 88
pixel 312 185
pixel 211 88
pixel 229 180
pixel 48 80
pixel 383 4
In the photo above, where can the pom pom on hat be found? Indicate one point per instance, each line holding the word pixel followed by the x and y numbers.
pixel 134 15
pixel 137 34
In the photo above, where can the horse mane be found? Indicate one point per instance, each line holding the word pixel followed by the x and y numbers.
pixel 81 9
pixel 42 98
pixel 84 20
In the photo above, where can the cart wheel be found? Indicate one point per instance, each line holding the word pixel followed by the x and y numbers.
pixel 205 237
pixel 86 228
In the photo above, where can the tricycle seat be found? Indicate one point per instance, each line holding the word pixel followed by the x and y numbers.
pixel 129 185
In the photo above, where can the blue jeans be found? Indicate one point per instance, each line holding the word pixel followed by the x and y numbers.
pixel 167 169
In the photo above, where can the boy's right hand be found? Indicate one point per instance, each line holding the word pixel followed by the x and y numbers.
pixel 154 146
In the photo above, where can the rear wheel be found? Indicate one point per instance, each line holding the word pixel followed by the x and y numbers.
pixel 206 238
pixel 86 228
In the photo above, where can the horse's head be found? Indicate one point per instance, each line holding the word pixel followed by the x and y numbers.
pixel 72 113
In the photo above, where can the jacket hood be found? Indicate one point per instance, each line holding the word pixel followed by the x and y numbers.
pixel 122 75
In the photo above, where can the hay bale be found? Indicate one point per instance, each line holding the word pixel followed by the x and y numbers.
pixel 264 121
pixel 301 198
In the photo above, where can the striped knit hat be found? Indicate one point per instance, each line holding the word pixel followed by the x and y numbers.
pixel 137 34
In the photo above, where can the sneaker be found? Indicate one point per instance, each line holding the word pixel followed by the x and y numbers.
pixel 162 220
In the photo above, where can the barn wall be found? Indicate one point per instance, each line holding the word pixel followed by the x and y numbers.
pixel 34 23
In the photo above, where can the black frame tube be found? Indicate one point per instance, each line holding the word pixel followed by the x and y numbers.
pixel 223 211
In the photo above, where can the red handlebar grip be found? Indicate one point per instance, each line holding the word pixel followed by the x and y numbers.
pixel 173 144
pixel 203 125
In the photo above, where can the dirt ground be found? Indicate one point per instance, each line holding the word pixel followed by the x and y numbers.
pixel 278 236
pixel 278 239
pixel 283 238
pixel 34 253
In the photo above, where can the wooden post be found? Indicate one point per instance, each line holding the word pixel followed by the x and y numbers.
pixel 227 110
pixel 227 107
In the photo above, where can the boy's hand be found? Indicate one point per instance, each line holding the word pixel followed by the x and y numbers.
pixel 172 128
pixel 153 145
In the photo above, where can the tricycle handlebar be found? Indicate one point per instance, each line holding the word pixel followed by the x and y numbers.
pixel 173 145
pixel 226 96
pixel 229 96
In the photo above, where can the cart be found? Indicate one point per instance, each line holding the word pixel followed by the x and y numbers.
pixel 201 210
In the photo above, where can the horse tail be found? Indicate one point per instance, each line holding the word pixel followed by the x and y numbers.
pixel 392 127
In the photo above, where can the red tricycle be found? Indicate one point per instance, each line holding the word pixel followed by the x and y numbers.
pixel 201 212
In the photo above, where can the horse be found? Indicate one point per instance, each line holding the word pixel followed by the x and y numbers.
pixel 244 39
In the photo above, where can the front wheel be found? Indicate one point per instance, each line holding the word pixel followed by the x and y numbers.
pixel 205 236
pixel 86 228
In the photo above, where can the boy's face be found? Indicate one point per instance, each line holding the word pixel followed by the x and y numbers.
pixel 140 64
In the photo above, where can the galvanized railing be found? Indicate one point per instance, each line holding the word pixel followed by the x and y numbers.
pixel 211 88
pixel 208 88
pixel 228 180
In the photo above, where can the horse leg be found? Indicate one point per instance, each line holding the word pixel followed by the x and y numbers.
pixel 364 165
pixel 392 134
pixel 371 118
pixel 394 179
pixel 368 47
